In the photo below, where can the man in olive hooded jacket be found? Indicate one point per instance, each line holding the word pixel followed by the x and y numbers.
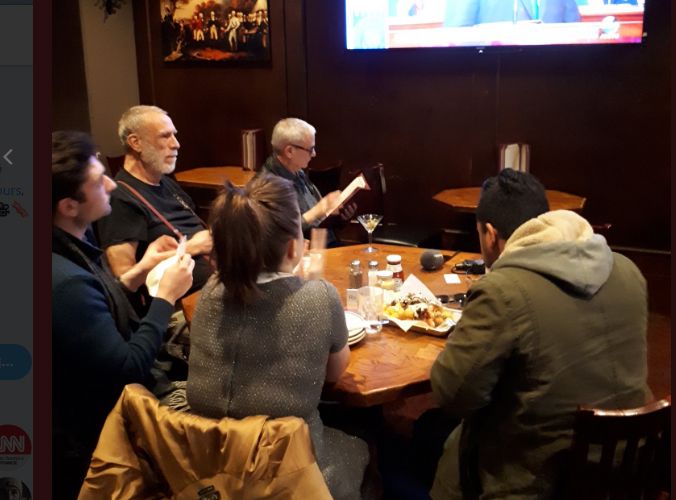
pixel 558 321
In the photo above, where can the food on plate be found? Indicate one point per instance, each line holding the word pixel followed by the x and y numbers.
pixel 418 308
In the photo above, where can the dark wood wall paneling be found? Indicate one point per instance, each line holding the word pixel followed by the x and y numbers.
pixel 69 84
pixel 211 104
pixel 597 118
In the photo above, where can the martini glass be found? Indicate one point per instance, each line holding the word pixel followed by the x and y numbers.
pixel 370 222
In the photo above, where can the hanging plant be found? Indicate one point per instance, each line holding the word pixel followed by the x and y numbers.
pixel 109 6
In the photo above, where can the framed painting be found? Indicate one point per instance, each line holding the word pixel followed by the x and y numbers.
pixel 215 30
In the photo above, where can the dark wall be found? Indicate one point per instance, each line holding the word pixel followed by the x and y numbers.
pixel 69 85
pixel 210 105
pixel 597 118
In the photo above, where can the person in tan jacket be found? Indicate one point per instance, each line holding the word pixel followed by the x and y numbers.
pixel 558 321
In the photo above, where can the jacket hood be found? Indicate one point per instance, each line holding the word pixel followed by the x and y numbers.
pixel 560 244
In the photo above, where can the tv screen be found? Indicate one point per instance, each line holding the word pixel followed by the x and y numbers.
pixel 388 24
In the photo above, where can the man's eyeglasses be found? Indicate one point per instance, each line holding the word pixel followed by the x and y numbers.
pixel 309 150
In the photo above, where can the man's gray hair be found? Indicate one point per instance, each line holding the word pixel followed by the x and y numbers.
pixel 290 131
pixel 133 119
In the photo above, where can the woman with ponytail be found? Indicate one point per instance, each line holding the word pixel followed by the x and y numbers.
pixel 263 341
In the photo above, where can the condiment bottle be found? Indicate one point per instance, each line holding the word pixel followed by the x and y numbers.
pixel 353 285
pixel 355 279
pixel 385 280
pixel 394 265
pixel 373 273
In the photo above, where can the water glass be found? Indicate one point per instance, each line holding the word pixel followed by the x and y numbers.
pixel 371 307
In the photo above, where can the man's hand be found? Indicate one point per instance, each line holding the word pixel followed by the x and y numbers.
pixel 200 243
pixel 329 203
pixel 160 249
pixel 347 211
pixel 322 209
pixel 177 280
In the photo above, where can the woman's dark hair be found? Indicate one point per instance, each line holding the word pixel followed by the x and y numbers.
pixel 509 199
pixel 71 154
pixel 251 228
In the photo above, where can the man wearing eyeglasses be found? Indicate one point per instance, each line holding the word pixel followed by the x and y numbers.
pixel 293 146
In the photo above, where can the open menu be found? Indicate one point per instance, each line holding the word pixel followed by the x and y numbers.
pixel 357 183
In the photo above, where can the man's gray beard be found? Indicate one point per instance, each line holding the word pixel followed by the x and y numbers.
pixel 163 168
pixel 167 169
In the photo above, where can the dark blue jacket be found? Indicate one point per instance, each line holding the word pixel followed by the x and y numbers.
pixel 92 359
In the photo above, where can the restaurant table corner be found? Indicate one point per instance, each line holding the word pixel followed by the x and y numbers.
pixel 214 177
pixel 467 199
pixel 390 365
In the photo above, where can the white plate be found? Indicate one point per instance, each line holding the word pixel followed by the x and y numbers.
pixel 355 324
pixel 357 338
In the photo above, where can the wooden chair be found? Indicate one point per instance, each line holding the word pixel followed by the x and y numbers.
pixel 621 453
pixel 602 229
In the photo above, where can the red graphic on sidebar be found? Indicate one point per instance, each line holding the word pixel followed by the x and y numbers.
pixel 14 441
pixel 19 209
pixel 15 447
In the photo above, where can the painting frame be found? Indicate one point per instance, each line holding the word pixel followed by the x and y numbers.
pixel 215 32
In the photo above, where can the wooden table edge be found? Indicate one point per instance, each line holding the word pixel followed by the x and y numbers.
pixel 375 398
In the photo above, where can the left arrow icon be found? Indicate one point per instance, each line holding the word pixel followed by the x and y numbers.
pixel 6 156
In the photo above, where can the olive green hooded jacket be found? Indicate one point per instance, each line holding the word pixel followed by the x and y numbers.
pixel 560 320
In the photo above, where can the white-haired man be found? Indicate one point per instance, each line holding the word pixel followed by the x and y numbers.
pixel 293 146
pixel 151 148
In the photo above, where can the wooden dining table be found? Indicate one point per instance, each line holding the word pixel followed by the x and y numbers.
pixel 214 177
pixel 388 366
pixel 466 199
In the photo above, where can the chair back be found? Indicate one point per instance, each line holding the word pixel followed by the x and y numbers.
pixel 602 229
pixel 374 200
pixel 151 451
pixel 621 453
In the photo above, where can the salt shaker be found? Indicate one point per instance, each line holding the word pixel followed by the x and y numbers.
pixel 354 284
pixel 373 273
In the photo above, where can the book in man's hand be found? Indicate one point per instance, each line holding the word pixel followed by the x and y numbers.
pixel 357 183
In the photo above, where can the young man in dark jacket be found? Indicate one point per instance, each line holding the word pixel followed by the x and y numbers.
pixel 558 321
pixel 98 343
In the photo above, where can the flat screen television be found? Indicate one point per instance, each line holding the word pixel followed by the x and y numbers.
pixel 388 24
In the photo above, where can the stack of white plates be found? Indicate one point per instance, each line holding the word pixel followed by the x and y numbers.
pixel 355 327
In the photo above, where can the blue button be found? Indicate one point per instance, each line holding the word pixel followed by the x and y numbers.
pixel 15 361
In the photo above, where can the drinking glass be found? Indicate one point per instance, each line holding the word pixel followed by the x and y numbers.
pixel 371 307
pixel 370 222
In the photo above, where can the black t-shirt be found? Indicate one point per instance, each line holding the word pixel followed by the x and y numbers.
pixel 131 220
